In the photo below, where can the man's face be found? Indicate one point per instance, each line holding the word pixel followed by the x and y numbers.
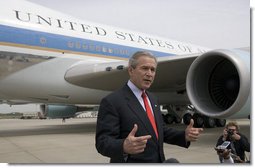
pixel 143 74
pixel 232 129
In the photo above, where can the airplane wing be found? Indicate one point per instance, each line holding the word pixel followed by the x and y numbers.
pixel 171 74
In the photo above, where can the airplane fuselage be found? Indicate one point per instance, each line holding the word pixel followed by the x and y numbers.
pixel 38 45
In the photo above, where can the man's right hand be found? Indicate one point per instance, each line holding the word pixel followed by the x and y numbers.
pixel 135 145
pixel 225 153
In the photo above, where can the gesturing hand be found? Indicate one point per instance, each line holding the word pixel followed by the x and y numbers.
pixel 191 133
pixel 135 145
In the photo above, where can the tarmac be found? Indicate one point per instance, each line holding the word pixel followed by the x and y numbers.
pixel 52 141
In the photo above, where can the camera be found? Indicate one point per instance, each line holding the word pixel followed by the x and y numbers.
pixel 230 132
pixel 223 146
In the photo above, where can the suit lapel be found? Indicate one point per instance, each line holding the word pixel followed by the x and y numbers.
pixel 136 107
pixel 157 115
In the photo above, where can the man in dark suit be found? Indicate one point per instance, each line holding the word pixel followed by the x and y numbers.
pixel 129 124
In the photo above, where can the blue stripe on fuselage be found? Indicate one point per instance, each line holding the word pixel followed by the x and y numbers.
pixel 66 43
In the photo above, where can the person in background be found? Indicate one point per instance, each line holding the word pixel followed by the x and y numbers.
pixel 238 142
pixel 130 127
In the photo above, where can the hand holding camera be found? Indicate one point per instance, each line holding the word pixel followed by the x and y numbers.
pixel 223 151
pixel 230 135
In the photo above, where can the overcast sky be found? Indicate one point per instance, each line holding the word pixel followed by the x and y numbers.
pixel 209 23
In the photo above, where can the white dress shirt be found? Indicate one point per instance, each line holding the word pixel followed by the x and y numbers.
pixel 138 94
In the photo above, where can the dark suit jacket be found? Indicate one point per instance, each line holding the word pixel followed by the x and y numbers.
pixel 118 112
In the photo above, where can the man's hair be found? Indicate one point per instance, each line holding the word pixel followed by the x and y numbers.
pixel 233 123
pixel 133 59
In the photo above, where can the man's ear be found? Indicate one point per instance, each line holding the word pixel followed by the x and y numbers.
pixel 130 70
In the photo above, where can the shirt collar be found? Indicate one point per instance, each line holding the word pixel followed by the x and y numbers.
pixel 135 90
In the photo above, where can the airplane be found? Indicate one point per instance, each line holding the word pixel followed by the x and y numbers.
pixel 62 63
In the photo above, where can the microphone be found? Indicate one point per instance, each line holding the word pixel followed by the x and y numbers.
pixel 171 160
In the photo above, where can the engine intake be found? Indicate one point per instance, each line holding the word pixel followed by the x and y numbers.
pixel 218 83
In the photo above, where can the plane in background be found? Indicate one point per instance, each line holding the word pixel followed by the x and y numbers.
pixel 61 62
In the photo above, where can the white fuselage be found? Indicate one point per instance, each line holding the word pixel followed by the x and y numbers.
pixel 39 45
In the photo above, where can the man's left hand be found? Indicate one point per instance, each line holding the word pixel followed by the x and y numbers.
pixel 191 133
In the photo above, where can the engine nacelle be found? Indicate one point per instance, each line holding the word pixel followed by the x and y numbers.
pixel 218 84
pixel 59 111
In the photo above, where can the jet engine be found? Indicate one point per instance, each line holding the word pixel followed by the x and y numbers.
pixel 64 111
pixel 58 111
pixel 218 84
